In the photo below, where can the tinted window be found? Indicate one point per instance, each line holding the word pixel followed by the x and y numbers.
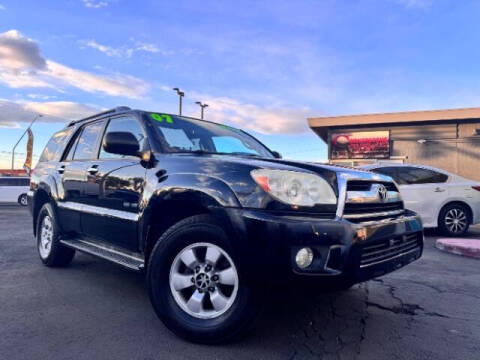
pixel 405 175
pixel 389 171
pixel 124 124
pixel 14 182
pixel 24 182
pixel 87 141
pixel 71 151
pixel 55 146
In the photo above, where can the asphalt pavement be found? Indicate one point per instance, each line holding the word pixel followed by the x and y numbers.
pixel 97 310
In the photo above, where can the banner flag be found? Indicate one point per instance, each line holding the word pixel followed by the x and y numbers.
pixel 28 161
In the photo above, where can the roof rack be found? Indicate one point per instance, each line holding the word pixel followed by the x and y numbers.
pixel 111 111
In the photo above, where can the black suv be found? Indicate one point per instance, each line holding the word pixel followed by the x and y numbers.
pixel 212 216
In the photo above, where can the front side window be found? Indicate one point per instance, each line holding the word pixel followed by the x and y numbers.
pixel 87 141
pixel 180 135
pixel 124 124
pixel 56 145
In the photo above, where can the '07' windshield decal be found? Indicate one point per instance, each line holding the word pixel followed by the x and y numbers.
pixel 161 117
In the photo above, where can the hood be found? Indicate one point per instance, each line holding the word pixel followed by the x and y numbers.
pixel 234 171
pixel 227 166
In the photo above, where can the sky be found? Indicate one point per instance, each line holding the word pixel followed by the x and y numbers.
pixel 263 66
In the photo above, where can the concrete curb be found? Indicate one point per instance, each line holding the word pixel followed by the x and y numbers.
pixel 463 247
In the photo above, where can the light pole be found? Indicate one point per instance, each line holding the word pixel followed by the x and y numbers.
pixel 21 137
pixel 202 106
pixel 181 94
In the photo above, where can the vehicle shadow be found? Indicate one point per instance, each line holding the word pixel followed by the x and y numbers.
pixel 294 321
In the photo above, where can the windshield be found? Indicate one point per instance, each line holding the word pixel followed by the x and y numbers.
pixel 179 134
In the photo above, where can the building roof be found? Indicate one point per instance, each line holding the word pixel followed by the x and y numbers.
pixel 320 124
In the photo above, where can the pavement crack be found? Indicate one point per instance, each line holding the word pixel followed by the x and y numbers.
pixel 406 309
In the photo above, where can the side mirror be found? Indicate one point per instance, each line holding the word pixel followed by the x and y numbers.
pixel 277 155
pixel 122 143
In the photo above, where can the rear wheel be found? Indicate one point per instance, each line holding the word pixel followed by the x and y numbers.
pixel 22 200
pixel 454 220
pixel 51 251
pixel 198 286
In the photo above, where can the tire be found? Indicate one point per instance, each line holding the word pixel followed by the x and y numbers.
pixel 22 200
pixel 454 220
pixel 51 251
pixel 201 322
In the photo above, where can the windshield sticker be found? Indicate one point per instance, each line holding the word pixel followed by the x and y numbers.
pixel 161 117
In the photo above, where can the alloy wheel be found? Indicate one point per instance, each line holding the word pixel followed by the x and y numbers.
pixel 203 280
pixel 456 220
pixel 46 237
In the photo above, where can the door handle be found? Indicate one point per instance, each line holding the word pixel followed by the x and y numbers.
pixel 93 169
pixel 439 189
pixel 61 169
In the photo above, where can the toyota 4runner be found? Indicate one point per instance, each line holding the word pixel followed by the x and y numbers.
pixel 212 216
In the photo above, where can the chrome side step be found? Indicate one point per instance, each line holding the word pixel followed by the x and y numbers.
pixel 130 261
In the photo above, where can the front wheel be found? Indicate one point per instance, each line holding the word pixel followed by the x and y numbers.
pixel 198 286
pixel 454 220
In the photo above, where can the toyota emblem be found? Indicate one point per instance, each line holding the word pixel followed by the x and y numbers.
pixel 382 192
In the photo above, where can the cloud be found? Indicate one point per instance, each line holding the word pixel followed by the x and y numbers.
pixel 2 7
pixel 41 96
pixel 107 50
pixel 22 65
pixel 63 110
pixel 126 51
pixel 13 113
pixel 266 120
pixel 115 84
pixel 18 52
pixel 95 4
pixel 9 125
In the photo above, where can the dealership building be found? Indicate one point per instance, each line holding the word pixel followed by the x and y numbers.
pixel 447 139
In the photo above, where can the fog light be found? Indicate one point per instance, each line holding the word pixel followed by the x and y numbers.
pixel 304 257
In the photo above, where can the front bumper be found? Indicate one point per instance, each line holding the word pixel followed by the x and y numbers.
pixel 341 248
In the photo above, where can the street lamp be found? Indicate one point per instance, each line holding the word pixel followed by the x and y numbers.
pixel 202 106
pixel 181 94
pixel 21 137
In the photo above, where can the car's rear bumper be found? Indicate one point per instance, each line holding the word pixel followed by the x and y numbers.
pixel 341 248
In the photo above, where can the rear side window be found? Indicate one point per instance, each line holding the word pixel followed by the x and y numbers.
pixel 14 182
pixel 87 141
pixel 54 149
pixel 409 175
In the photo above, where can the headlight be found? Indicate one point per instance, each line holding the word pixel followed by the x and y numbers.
pixel 295 188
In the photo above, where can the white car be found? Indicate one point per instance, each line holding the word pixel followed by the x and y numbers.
pixel 14 189
pixel 442 199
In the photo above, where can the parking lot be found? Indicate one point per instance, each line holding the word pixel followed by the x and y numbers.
pixel 97 310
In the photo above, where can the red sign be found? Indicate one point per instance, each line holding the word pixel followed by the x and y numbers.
pixel 360 145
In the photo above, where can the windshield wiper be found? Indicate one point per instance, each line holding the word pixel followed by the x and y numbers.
pixel 244 154
pixel 199 152
pixel 205 152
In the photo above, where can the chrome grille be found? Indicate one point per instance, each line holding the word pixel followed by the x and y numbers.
pixel 363 202
pixel 365 185
pixel 390 248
